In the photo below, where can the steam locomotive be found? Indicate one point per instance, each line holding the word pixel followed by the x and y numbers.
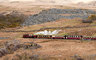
pixel 59 37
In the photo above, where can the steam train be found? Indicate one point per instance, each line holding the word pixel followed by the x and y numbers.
pixel 59 37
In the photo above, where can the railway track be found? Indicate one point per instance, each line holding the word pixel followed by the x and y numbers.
pixel 48 28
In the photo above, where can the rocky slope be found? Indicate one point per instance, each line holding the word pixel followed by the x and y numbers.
pixel 55 14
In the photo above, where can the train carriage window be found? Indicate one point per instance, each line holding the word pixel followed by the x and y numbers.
pixel 41 36
pixel 30 35
pixel 45 36
pixel 50 36
pixel 69 36
pixel 74 36
pixel 38 35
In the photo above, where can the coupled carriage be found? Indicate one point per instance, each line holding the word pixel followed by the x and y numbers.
pixel 73 37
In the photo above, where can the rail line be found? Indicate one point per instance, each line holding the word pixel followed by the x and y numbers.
pixel 48 28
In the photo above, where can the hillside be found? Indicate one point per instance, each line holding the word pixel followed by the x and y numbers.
pixel 55 18
pixel 54 49
pixel 64 18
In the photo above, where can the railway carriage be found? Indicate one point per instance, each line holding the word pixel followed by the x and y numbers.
pixel 58 37
pixel 89 38
pixel 73 37
pixel 36 36
pixel 94 38
pixel 29 36
pixel 80 37
pixel 44 36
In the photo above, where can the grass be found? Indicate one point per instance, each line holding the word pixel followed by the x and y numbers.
pixel 27 56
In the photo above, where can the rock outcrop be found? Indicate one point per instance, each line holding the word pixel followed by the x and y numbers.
pixel 55 14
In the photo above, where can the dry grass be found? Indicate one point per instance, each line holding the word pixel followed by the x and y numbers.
pixel 55 50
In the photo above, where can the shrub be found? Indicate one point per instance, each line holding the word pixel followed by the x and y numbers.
pixel 11 20
pixel 87 21
pixel 92 17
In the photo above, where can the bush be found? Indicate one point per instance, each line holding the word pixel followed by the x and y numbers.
pixel 87 21
pixel 92 17
pixel 11 20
